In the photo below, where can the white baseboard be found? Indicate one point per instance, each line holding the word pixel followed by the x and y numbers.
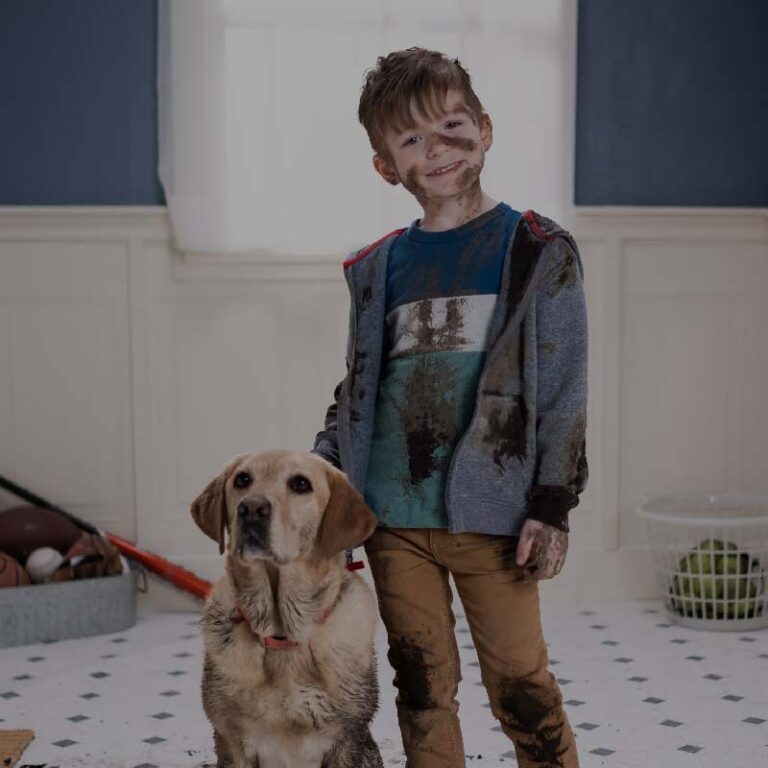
pixel 588 575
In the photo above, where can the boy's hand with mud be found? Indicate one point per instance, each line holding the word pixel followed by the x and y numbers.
pixel 541 550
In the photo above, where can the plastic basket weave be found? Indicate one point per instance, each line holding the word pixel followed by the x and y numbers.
pixel 711 558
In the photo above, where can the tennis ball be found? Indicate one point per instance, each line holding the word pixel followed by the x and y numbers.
pixel 733 564
pixel 717 570
pixel 708 544
pixel 702 562
pixel 681 589
pixel 743 609
pixel 738 588
pixel 710 587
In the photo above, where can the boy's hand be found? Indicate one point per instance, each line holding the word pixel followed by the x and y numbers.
pixel 541 550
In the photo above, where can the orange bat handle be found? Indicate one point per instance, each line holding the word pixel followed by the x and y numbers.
pixel 178 576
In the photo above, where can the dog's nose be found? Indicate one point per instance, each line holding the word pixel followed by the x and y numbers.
pixel 258 508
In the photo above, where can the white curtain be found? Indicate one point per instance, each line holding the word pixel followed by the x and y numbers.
pixel 260 148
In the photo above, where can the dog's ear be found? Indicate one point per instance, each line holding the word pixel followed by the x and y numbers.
pixel 209 509
pixel 348 521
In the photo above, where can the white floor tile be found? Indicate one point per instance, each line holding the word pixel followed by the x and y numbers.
pixel 639 692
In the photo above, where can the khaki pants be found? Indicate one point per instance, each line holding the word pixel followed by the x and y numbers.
pixel 410 569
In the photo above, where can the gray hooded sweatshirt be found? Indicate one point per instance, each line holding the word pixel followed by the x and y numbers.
pixel 523 454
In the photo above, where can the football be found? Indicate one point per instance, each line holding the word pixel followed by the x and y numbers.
pixel 25 529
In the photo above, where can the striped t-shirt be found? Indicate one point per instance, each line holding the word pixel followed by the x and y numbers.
pixel 441 292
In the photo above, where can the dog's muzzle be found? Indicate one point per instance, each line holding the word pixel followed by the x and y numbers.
pixel 254 517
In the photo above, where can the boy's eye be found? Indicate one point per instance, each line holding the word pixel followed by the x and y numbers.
pixel 452 123
pixel 409 141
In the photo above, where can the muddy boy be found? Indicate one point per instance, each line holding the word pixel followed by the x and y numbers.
pixel 462 416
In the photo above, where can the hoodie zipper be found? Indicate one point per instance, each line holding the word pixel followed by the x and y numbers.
pixel 488 359
pixel 344 424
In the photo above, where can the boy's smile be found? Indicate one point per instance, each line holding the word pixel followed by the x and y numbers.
pixel 439 158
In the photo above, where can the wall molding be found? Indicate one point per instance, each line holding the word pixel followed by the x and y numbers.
pixel 152 224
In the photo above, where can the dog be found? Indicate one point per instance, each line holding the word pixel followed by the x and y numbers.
pixel 290 672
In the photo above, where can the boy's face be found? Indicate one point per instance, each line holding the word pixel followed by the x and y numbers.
pixel 440 157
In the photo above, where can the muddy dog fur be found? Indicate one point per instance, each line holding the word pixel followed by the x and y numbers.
pixel 290 673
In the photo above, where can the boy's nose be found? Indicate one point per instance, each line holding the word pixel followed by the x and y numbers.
pixel 435 144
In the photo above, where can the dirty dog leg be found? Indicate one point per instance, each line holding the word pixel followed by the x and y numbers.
pixel 225 758
pixel 370 756
pixel 223 755
pixel 362 753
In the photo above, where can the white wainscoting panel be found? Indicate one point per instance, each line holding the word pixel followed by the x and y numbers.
pixel 682 315
pixel 65 405
pixel 238 364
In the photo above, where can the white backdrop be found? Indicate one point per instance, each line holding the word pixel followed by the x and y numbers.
pixel 260 148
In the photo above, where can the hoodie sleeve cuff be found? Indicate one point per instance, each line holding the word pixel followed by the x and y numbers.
pixel 550 504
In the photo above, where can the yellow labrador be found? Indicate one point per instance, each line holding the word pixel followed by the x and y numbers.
pixel 289 679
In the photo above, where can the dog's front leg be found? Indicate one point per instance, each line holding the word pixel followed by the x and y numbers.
pixel 360 752
pixel 231 754
pixel 242 761
pixel 223 755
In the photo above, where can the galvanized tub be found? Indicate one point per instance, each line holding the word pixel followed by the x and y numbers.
pixel 62 610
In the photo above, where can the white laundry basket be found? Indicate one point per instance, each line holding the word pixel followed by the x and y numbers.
pixel 711 558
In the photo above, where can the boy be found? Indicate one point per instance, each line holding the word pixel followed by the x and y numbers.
pixel 462 416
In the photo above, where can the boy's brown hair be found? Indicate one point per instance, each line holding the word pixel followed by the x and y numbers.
pixel 412 74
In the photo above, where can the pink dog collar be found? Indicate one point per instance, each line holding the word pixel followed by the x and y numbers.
pixel 278 642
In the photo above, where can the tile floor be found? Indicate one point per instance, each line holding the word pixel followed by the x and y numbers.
pixel 638 692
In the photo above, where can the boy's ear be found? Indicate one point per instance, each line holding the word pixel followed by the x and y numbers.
pixel 486 131
pixel 385 169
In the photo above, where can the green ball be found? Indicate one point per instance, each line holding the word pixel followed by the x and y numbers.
pixel 706 557
pixel 681 591
pixel 738 588
pixel 702 562
pixel 716 579
pixel 684 586
pixel 743 609
pixel 711 544
pixel 733 564
pixel 711 587
pixel 758 575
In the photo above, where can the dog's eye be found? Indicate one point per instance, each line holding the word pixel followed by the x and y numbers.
pixel 243 479
pixel 300 484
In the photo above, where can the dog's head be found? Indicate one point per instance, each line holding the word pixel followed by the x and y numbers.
pixel 283 506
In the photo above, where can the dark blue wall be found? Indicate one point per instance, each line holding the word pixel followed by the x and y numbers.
pixel 672 103
pixel 78 102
